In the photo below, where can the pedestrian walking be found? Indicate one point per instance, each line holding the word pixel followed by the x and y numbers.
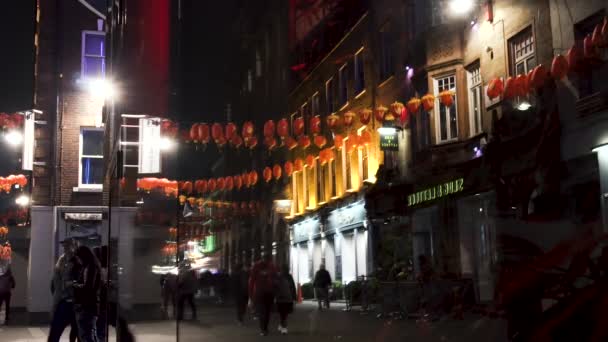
pixel 240 283
pixel 322 283
pixel 7 284
pixel 86 294
pixel 187 287
pixel 169 292
pixel 66 272
pixel 286 296
pixel 262 290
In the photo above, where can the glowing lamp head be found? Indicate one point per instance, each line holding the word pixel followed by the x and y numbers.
pixel 102 88
pixel 166 144
pixel 14 138
pixel 23 200
pixel 460 7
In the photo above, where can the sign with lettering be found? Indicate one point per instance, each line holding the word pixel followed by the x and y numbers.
pixel 438 191
pixel 389 141
pixel 346 217
pixel 302 231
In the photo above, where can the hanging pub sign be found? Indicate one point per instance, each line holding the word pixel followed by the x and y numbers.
pixel 436 192
pixel 389 140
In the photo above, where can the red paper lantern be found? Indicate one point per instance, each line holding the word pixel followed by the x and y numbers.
pixel 238 182
pixel 380 112
pixel 298 126
pixel 298 164
pixel 246 179
pixel 521 88
pixel 167 128
pixel 253 178
pixel 323 157
pixel 413 105
pixel 221 142
pixel 365 138
pixel 310 161
pixel 559 67
pixel 230 130
pixel 495 88
pixel 304 141
pixel 349 118
pixel 217 133
pixel 604 33
pixel 315 125
pixel 510 88
pixel 270 143
pixel 277 172
pixel 288 168
pixel 221 184
pixel 428 102
pixel 446 98
pixel 283 128
pixel 404 116
pixel 320 141
pixel 252 142
pixel 248 130
pixel 201 186
pixel 269 128
pixel 212 185
pixel 291 143
pixel 194 132
pixel 236 141
pixel 187 187
pixel 229 183
pixel 203 133
pixel 332 121
pixel 338 141
pixel 575 58
pixel 365 116
pixel 538 78
pixel 21 180
pixel 351 142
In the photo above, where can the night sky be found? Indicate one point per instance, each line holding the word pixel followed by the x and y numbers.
pixel 17 55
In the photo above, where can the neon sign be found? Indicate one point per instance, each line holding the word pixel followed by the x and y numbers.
pixel 438 191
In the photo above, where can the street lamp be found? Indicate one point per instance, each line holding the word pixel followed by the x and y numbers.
pixel 14 138
pixel 23 200
pixel 166 144
pixel 460 7
pixel 101 88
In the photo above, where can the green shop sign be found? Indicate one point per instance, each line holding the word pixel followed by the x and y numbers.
pixel 438 191
pixel 389 141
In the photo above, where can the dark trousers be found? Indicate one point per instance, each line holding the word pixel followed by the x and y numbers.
pixel 284 310
pixel 87 326
pixel 241 307
pixel 187 297
pixel 62 317
pixel 5 299
pixel 264 307
pixel 322 296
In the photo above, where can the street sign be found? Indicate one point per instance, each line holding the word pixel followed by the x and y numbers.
pixel 389 141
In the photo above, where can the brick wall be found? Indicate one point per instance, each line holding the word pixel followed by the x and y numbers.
pixel 65 104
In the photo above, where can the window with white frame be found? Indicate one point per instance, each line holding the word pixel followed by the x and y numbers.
pixel 446 121
pixel 359 72
pixel 343 88
pixel 93 54
pixel 91 158
pixel 475 95
pixel 329 95
pixel 522 52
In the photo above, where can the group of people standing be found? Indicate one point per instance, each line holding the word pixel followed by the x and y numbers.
pixel 76 289
pixel 264 287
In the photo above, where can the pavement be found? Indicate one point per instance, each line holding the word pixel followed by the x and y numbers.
pixel 306 324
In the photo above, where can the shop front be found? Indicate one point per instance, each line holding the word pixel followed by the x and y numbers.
pixel 339 240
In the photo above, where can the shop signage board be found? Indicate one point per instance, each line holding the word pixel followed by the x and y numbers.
pixel 344 218
pixel 389 141
pixel 302 231
pixel 436 192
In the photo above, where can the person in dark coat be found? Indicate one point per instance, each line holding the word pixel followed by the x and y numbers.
pixel 65 274
pixel 286 296
pixel 240 282
pixel 187 287
pixel 87 291
pixel 7 284
pixel 322 283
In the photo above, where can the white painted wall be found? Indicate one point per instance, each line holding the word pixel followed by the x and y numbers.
pixel 362 253
pixel 330 258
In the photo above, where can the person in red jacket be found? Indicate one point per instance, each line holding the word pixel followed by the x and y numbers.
pixel 262 288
